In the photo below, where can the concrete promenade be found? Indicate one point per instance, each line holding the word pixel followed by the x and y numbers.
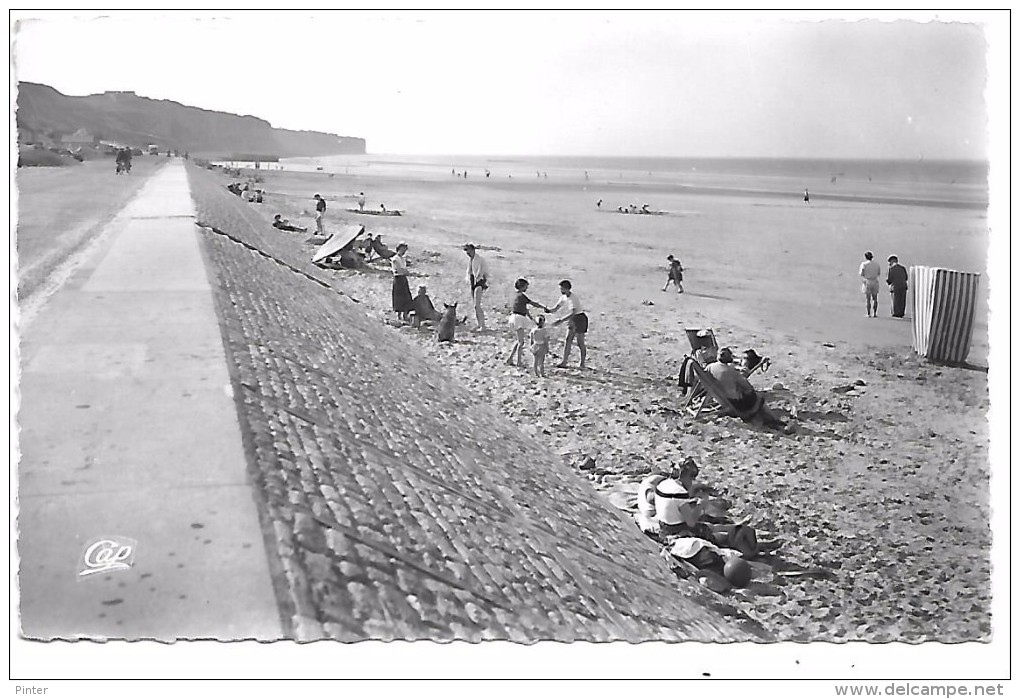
pixel 128 429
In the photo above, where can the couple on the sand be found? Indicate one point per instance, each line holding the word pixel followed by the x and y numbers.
pixel 521 322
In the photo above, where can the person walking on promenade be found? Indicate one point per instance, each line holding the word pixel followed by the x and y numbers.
pixel 520 321
pixel 320 214
pixel 478 278
pixel 897 281
pixel 403 304
pixel 807 197
pixel 675 275
pixel 361 201
pixel 870 271
pixel 577 320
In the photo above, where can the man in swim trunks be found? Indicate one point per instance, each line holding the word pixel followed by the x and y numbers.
pixel 870 272
pixel 577 319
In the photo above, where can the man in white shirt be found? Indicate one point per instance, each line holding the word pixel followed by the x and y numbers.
pixel 870 272
pixel 577 319
pixel 478 278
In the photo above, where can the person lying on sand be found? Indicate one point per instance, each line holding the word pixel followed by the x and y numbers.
pixel 284 225
pixel 739 391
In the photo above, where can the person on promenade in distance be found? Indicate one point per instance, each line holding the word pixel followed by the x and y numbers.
pixel 320 213
pixel 738 390
pixel 675 275
pixel 520 321
pixel 897 281
pixel 807 197
pixel 361 201
pixel 870 271
pixel 403 304
pixel 284 225
pixel 478 278
pixel 578 322
pixel 540 345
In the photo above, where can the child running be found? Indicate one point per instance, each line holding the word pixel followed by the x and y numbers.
pixel 675 275
pixel 540 345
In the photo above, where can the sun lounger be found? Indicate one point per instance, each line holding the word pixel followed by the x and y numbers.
pixel 713 393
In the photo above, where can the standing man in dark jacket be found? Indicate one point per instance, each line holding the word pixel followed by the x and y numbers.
pixel 320 215
pixel 897 281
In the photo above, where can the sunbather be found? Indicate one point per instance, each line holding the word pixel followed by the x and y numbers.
pixel 284 225
pixel 739 391
pixel 423 308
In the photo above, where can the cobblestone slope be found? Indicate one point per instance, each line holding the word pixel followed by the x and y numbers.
pixel 398 504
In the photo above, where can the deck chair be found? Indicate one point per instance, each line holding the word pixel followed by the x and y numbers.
pixel 699 342
pixel 713 392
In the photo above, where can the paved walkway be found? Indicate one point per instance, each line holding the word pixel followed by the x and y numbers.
pixel 128 429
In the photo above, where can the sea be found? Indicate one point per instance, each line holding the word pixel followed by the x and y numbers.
pixel 952 183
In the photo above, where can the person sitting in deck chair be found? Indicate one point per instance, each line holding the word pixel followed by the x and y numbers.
pixel 739 391
pixel 379 248
pixel 284 225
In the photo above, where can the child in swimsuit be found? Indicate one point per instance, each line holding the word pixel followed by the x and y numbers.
pixel 540 345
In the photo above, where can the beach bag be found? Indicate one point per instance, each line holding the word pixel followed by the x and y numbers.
pixel 685 371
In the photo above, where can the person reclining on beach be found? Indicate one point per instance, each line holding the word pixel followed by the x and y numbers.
pixel 423 309
pixel 381 251
pixel 284 225
pixel 739 391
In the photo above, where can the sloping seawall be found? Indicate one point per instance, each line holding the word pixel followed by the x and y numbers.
pixel 395 504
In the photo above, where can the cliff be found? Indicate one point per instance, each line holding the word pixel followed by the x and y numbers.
pixel 125 118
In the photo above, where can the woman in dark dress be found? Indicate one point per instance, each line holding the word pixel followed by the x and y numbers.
pixel 403 304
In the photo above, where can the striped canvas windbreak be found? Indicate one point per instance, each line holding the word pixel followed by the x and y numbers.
pixel 944 305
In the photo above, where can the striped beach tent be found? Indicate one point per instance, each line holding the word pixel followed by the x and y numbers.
pixel 944 303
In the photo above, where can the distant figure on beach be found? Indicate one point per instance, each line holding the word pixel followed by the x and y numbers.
pixel 540 345
pixel 478 278
pixel 320 214
pixel 897 281
pixel 675 274
pixel 465 174
pixel 870 271
pixel 644 209
pixel 453 171
pixel 382 208
pixel 807 197
pixel 577 322
pixel 598 204
pixel 739 391
pixel 545 175
pixel 403 304
pixel 487 173
pixel 520 321
pixel 586 175
pixel 284 225
pixel 361 201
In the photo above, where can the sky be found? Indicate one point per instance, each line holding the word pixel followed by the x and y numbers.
pixel 674 83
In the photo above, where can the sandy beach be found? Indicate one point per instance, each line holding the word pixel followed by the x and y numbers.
pixel 885 485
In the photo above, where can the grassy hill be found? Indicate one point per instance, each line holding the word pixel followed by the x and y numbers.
pixel 44 114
